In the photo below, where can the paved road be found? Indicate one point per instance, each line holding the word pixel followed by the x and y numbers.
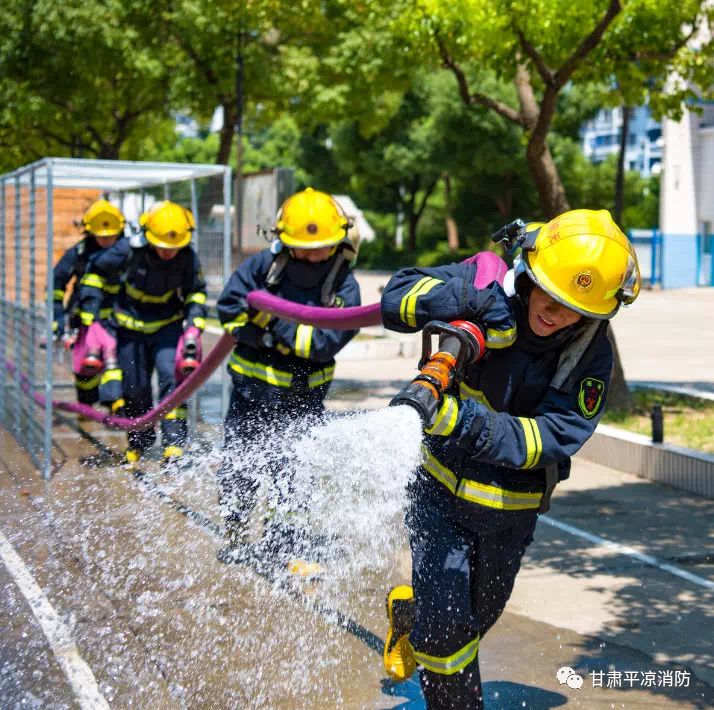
pixel 129 567
pixel 161 624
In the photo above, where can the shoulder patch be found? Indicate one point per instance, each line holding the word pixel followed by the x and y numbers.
pixel 590 396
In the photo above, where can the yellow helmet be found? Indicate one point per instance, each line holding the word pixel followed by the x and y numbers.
pixel 311 220
pixel 583 260
pixel 103 219
pixel 168 225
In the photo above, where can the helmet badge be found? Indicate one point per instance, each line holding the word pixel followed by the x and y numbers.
pixel 312 228
pixel 584 281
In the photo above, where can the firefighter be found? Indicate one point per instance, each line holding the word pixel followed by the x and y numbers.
pixel 281 371
pixel 102 224
pixel 160 305
pixel 500 440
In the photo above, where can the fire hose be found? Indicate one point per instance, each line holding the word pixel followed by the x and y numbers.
pixel 489 268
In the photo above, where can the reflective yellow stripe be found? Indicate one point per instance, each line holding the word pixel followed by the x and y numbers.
pixel 496 339
pixel 257 370
pixel 196 297
pixel 199 322
pixel 111 288
pixel 89 384
pixel 436 469
pixel 303 340
pixel 239 322
pixel 321 377
pixel 86 317
pixel 94 280
pixel 113 375
pixel 407 308
pixel 448 665
pixel 466 392
pixel 534 445
pixel 496 497
pixel 105 313
pixel 261 319
pixel 480 493
pixel 283 349
pixel 140 326
pixel 58 294
pixel 446 417
pixel 138 295
pixel 55 325
pixel 177 413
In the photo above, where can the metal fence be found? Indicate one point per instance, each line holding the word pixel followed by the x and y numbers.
pixel 39 206
pixel 674 260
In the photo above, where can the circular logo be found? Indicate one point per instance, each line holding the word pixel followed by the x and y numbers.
pixel 584 281
pixel 312 228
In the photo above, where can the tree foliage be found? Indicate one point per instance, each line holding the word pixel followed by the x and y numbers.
pixel 78 78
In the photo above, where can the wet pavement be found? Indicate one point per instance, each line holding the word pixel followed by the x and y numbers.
pixel 128 563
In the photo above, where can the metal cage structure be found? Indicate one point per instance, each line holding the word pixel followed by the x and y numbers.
pixel 40 206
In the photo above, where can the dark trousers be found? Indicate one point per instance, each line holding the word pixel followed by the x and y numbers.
pixel 253 443
pixel 139 355
pixel 462 581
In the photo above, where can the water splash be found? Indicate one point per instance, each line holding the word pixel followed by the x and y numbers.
pixel 153 597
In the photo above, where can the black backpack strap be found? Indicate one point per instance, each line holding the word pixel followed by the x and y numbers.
pixel 333 281
pixel 277 269
pixel 577 354
pixel 551 481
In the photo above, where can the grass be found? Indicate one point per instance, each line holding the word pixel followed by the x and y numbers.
pixel 688 421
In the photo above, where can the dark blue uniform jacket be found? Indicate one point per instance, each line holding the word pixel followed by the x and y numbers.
pixel 504 423
pixel 72 265
pixel 275 359
pixel 151 292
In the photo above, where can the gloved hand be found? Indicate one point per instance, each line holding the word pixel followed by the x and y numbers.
pixel 95 345
pixel 69 339
pixel 444 417
pixel 491 308
pixel 189 353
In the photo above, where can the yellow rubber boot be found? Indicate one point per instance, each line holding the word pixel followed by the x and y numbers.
pixel 131 457
pixel 172 453
pixel 304 568
pixel 399 661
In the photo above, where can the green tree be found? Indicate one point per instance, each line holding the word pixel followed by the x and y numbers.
pixel 78 79
pixel 542 46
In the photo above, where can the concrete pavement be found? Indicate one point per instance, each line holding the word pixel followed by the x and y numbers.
pixel 129 565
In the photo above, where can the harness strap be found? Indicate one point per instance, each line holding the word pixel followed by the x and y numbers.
pixel 277 269
pixel 344 255
pixel 578 352
pixel 551 481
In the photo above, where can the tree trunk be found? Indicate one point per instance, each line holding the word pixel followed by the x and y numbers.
pixel 543 170
pixel 411 234
pixel 223 155
pixel 620 177
pixel 619 395
pixel 452 230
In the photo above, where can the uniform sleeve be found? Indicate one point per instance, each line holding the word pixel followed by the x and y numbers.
pixel 102 275
pixel 415 296
pixel 62 273
pixel 318 344
pixel 563 422
pixel 195 293
pixel 233 310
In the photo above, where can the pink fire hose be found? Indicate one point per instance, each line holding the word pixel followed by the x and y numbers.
pixel 178 396
pixel 490 267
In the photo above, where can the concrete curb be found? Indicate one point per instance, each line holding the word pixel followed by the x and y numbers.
pixel 685 469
